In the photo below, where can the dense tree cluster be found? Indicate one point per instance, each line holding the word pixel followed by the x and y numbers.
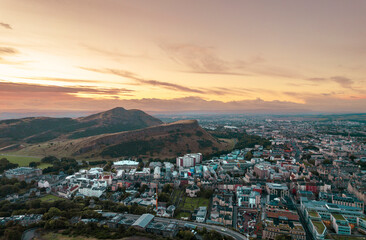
pixel 249 141
pixel 11 186
pixel 66 165
pixel 5 165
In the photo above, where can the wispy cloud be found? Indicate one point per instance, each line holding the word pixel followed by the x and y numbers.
pixel 112 52
pixel 199 59
pixel 171 86
pixel 139 80
pixel 10 87
pixel 8 51
pixel 5 25
pixel 341 80
pixel 68 80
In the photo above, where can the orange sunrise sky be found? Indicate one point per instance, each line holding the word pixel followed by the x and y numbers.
pixel 190 56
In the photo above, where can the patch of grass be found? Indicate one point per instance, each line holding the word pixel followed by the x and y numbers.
pixel 338 216
pixel 193 203
pixel 183 214
pixel 49 198
pixel 319 226
pixel 57 236
pixel 313 214
pixel 24 161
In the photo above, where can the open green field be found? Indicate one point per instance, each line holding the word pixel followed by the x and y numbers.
pixel 24 161
pixel 193 203
pixel 49 198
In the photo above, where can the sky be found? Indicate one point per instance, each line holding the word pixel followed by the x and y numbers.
pixel 183 56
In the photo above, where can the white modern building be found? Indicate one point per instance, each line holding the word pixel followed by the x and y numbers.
pixel 189 160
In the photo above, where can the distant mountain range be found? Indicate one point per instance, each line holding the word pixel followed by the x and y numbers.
pixel 114 133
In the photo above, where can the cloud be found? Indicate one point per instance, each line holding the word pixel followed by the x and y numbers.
pixel 5 25
pixel 8 51
pixel 71 80
pixel 341 80
pixel 22 88
pixel 204 60
pixel 53 98
pixel 171 86
pixel 112 53
pixel 137 79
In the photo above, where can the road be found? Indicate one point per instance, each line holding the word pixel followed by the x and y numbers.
pixel 219 229
pixel 29 234
pixel 309 235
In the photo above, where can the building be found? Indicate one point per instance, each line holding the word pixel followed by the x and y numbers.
pixel 261 171
pixel 348 201
pixel 43 184
pixel 247 197
pixel 273 228
pixel 142 222
pixel 200 214
pixel 189 160
pixel 125 164
pixel 157 172
pixel 276 189
pixel 340 224
pixel 361 223
pixel 95 190
pixel 23 173
pixel 192 190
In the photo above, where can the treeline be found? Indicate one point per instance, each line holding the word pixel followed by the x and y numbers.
pixel 244 140
pixel 6 165
pixel 12 186
pixel 134 148
pixel 66 165
pixel 57 216
pixel 249 141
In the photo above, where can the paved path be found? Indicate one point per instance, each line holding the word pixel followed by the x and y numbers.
pixel 29 234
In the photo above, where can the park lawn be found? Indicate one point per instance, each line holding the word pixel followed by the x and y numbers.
pixel 183 214
pixel 193 203
pixel 57 236
pixel 24 161
pixel 49 198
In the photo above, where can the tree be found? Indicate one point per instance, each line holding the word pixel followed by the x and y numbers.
pixel 327 161
pixel 167 188
pixel 12 234
pixel 248 156
pixel 33 164
pixel 50 159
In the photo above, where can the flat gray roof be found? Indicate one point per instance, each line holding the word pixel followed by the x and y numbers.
pixel 144 220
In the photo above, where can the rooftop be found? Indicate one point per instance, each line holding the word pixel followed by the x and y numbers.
pixel 338 217
pixel 319 226
pixel 144 220
pixel 313 214
pixel 125 162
